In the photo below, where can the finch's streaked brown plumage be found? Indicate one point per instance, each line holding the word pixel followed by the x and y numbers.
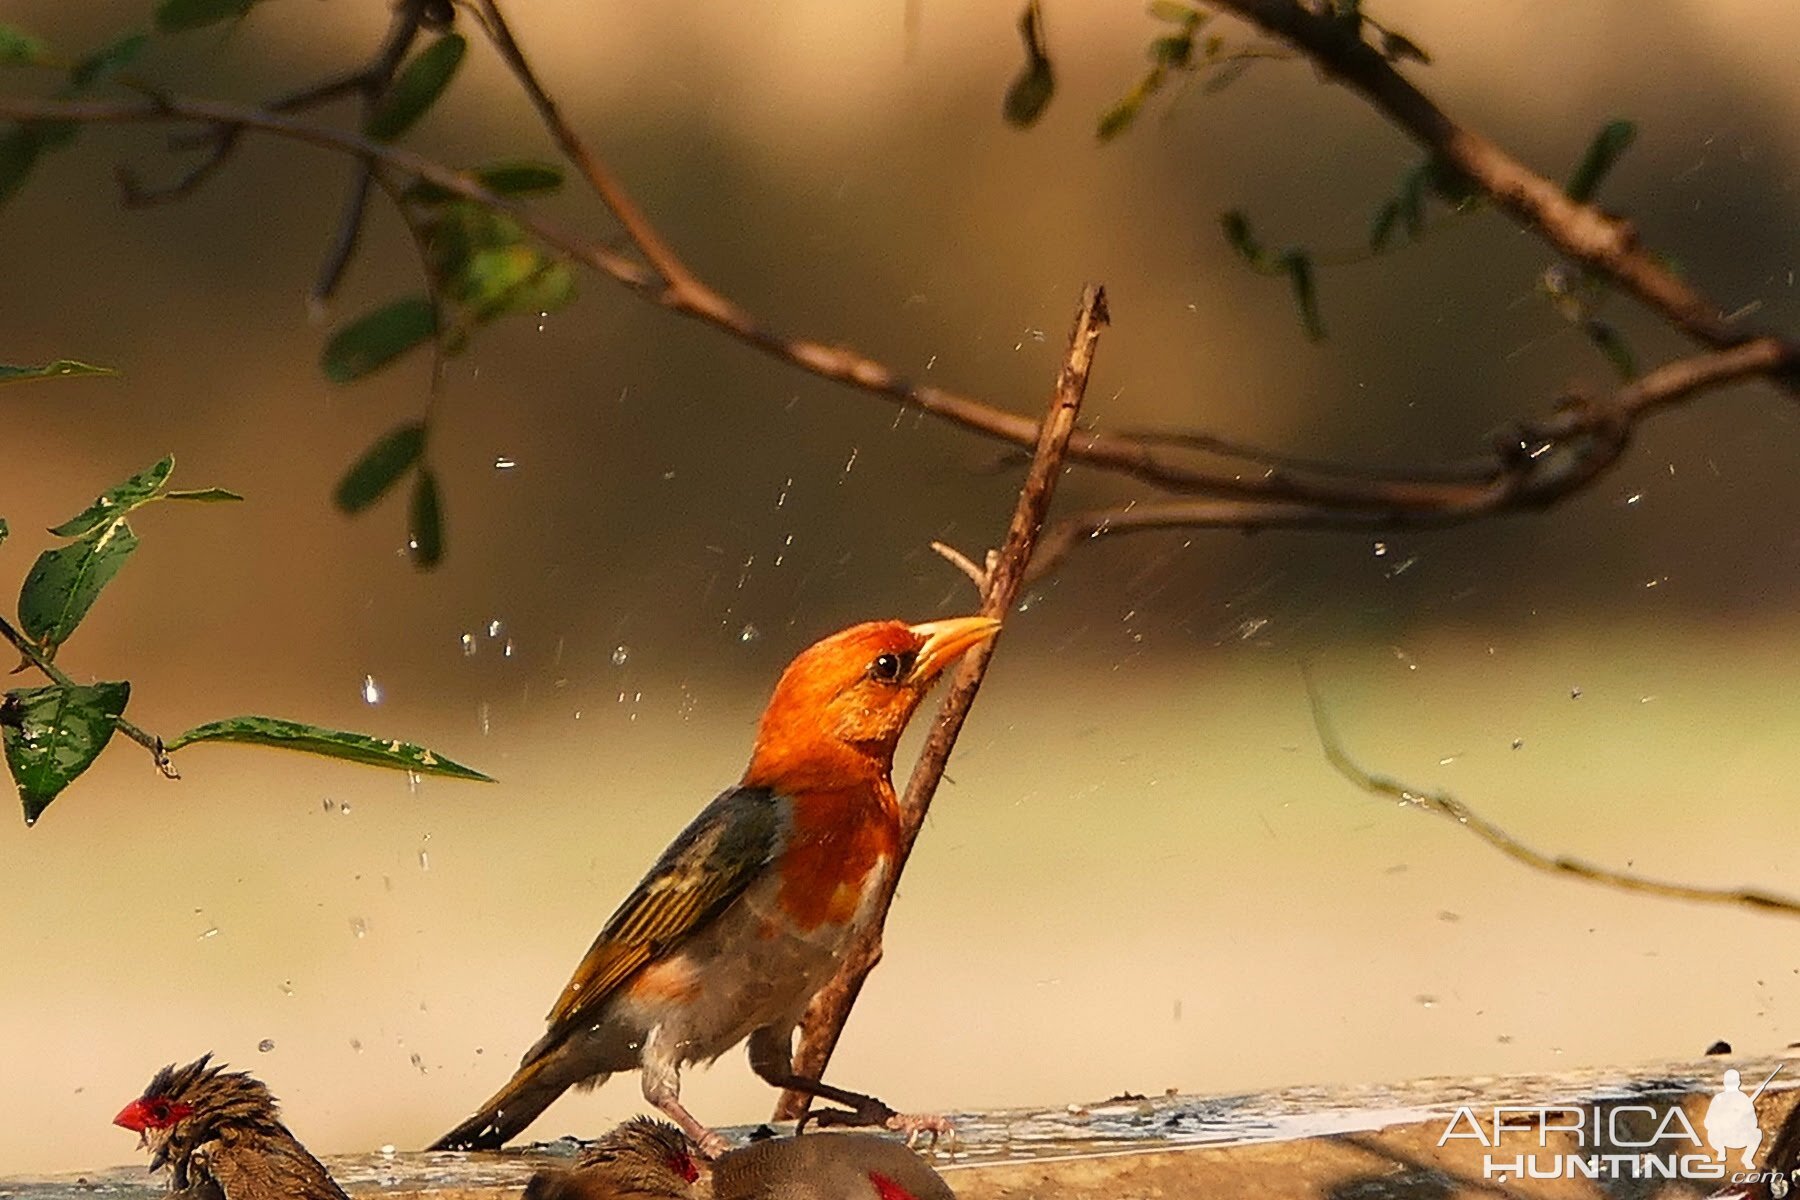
pixel 220 1135
pixel 643 1158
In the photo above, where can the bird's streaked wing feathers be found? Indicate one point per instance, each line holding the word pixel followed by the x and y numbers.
pixel 706 868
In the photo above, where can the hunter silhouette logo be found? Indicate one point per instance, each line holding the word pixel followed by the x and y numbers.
pixel 1731 1119
pixel 1617 1139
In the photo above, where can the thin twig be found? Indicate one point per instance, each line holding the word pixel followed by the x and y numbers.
pixel 825 1017
pixel 1450 808
pixel 37 658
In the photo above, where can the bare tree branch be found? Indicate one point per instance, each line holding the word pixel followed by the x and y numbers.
pixel 1449 807
pixel 824 1021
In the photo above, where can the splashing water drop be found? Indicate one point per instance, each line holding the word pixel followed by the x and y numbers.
pixel 371 691
pixel 749 633
pixel 266 1045
pixel 208 934
pixel 468 645
pixel 504 462
pixel 1381 549
pixel 494 628
pixel 359 927
pixel 620 655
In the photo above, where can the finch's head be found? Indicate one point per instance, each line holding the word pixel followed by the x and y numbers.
pixel 183 1105
pixel 840 707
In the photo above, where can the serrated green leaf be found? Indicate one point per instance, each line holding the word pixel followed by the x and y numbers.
pixel 179 16
pixel 107 61
pixel 1298 265
pixel 330 743
pixel 63 583
pixel 52 734
pixel 59 369
pixel 425 522
pixel 211 495
pixel 1602 154
pixel 20 49
pixel 118 500
pixel 380 466
pixel 416 88
pixel 1237 232
pixel 372 341
pixel 1036 82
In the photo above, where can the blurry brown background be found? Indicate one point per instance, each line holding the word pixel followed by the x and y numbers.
pixel 1143 875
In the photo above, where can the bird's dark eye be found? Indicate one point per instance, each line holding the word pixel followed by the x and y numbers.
pixel 889 667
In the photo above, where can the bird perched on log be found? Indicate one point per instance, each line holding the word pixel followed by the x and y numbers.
pixel 221 1137
pixel 748 913
pixel 646 1159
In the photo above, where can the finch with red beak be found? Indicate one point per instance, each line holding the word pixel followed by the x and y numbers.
pixel 221 1137
pixel 749 911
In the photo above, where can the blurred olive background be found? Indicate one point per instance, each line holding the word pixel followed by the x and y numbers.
pixel 1142 875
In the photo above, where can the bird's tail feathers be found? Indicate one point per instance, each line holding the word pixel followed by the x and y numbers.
pixel 532 1089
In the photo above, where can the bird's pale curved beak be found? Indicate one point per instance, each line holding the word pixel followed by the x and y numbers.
pixel 946 641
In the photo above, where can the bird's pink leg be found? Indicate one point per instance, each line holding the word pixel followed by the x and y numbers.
pixel 662 1088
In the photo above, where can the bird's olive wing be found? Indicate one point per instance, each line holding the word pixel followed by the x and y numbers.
pixel 706 868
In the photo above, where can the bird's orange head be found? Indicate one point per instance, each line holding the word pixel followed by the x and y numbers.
pixel 840 707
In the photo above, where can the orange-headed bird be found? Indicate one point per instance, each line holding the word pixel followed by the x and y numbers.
pixel 748 913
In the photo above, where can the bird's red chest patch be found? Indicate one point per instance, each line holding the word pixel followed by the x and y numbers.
pixel 839 839
pixel 887 1189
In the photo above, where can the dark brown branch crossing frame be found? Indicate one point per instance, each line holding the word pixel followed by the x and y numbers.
pixel 824 1021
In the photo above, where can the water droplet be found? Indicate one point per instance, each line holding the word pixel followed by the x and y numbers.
pixel 1425 1000
pixel 424 861
pixel 413 778
pixel 481 716
pixel 1634 497
pixel 494 628
pixel 1381 549
pixel 287 987
pixel 344 807
pixel 1574 693
pixel 749 633
pixel 620 654
pixel 359 927
pixel 468 645
pixel 388 1150
pixel 418 1062
pixel 371 692
pixel 1517 742
pixel 1247 630
pixel 208 933
pixel 504 463
pixel 356 1045
pixel 508 651
pixel 266 1045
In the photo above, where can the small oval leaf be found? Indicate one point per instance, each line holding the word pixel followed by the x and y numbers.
pixel 52 734
pixel 1237 232
pixel 1298 265
pixel 106 62
pixel 330 743
pixel 64 583
pixel 378 338
pixel 20 49
pixel 416 88
pixel 426 520
pixel 379 467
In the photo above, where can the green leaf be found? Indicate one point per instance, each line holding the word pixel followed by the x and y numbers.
pixel 425 522
pixel 107 61
pixel 1381 229
pixel 178 16
pixel 331 743
pixel 512 278
pixel 1602 153
pixel 1177 14
pixel 1173 51
pixel 1118 118
pixel 1397 46
pixel 1237 231
pixel 379 467
pixel 64 583
pixel 52 734
pixel 1298 265
pixel 1030 93
pixel 57 370
pixel 211 495
pixel 20 49
pixel 116 501
pixel 1610 342
pixel 416 88
pixel 19 150
pixel 378 338
pixel 524 177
